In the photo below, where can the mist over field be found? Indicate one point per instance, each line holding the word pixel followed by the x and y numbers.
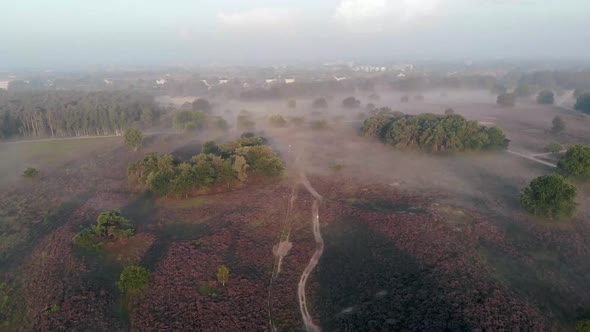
pixel 341 165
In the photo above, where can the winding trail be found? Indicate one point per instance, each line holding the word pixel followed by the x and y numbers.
pixel 532 157
pixel 307 320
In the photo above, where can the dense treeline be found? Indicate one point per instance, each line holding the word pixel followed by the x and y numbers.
pixel 434 133
pixel 73 113
pixel 218 165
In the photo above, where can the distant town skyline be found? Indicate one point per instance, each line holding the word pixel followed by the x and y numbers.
pixel 71 33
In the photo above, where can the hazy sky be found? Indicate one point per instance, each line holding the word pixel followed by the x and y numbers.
pixel 152 32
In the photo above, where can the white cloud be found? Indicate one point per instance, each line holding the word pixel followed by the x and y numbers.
pixel 257 17
pixel 383 14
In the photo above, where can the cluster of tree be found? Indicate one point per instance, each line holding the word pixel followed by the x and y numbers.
pixel 351 102
pixel 217 165
pixel 434 133
pixel 109 226
pixel 583 102
pixel 73 113
pixel 193 120
pixel 506 99
pixel 552 196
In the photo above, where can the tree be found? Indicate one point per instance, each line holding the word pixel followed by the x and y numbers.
pixel 111 224
pixel 545 97
pixel 583 103
pixel 292 104
pixel 31 172
pixel 506 100
pixel 522 91
pixel 449 111
pixel 223 275
pixel 549 196
pixel 134 278
pixel 558 125
pixel 319 103
pixel 240 166
pixel 133 138
pixel 405 99
pixel 554 148
pixel 351 102
pixel 201 105
pixel 576 163
pixel 277 120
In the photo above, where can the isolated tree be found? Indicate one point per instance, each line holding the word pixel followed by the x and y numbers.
pixel 240 167
pixel 31 172
pixel 506 100
pixel 351 102
pixel 201 105
pixel 277 120
pixel 522 91
pixel 292 104
pixel 549 196
pixel 558 125
pixel 583 103
pixel 545 97
pixel 134 278
pixel 449 111
pixel 319 103
pixel 223 275
pixel 133 138
pixel 405 99
pixel 576 163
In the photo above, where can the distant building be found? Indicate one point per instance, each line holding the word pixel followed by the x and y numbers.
pixel 161 81
pixel 340 78
pixel 4 85
pixel 289 80
pixel 271 80
pixel 223 81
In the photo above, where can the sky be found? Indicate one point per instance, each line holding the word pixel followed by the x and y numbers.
pixel 61 33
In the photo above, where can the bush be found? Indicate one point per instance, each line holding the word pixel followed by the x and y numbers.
pixel 109 226
pixel 133 278
pixel 133 138
pixel 549 196
pixel 223 275
pixel 558 124
pixel 545 97
pixel 576 163
pixel 554 148
pixel 506 100
pixel 207 290
pixel 31 172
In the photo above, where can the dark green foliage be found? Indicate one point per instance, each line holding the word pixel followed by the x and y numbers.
pixel 522 90
pixel 558 125
pixel 545 97
pixel 134 278
pixel 434 133
pixel 554 148
pixel 576 163
pixel 217 165
pixel 133 138
pixel 319 103
pixel 109 226
pixel 351 102
pixel 277 120
pixel 207 290
pixel 201 105
pixel 53 309
pixel 583 103
pixel 549 196
pixel 190 120
pixel 506 100
pixel 583 326
pixel 73 113
pixel 31 172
